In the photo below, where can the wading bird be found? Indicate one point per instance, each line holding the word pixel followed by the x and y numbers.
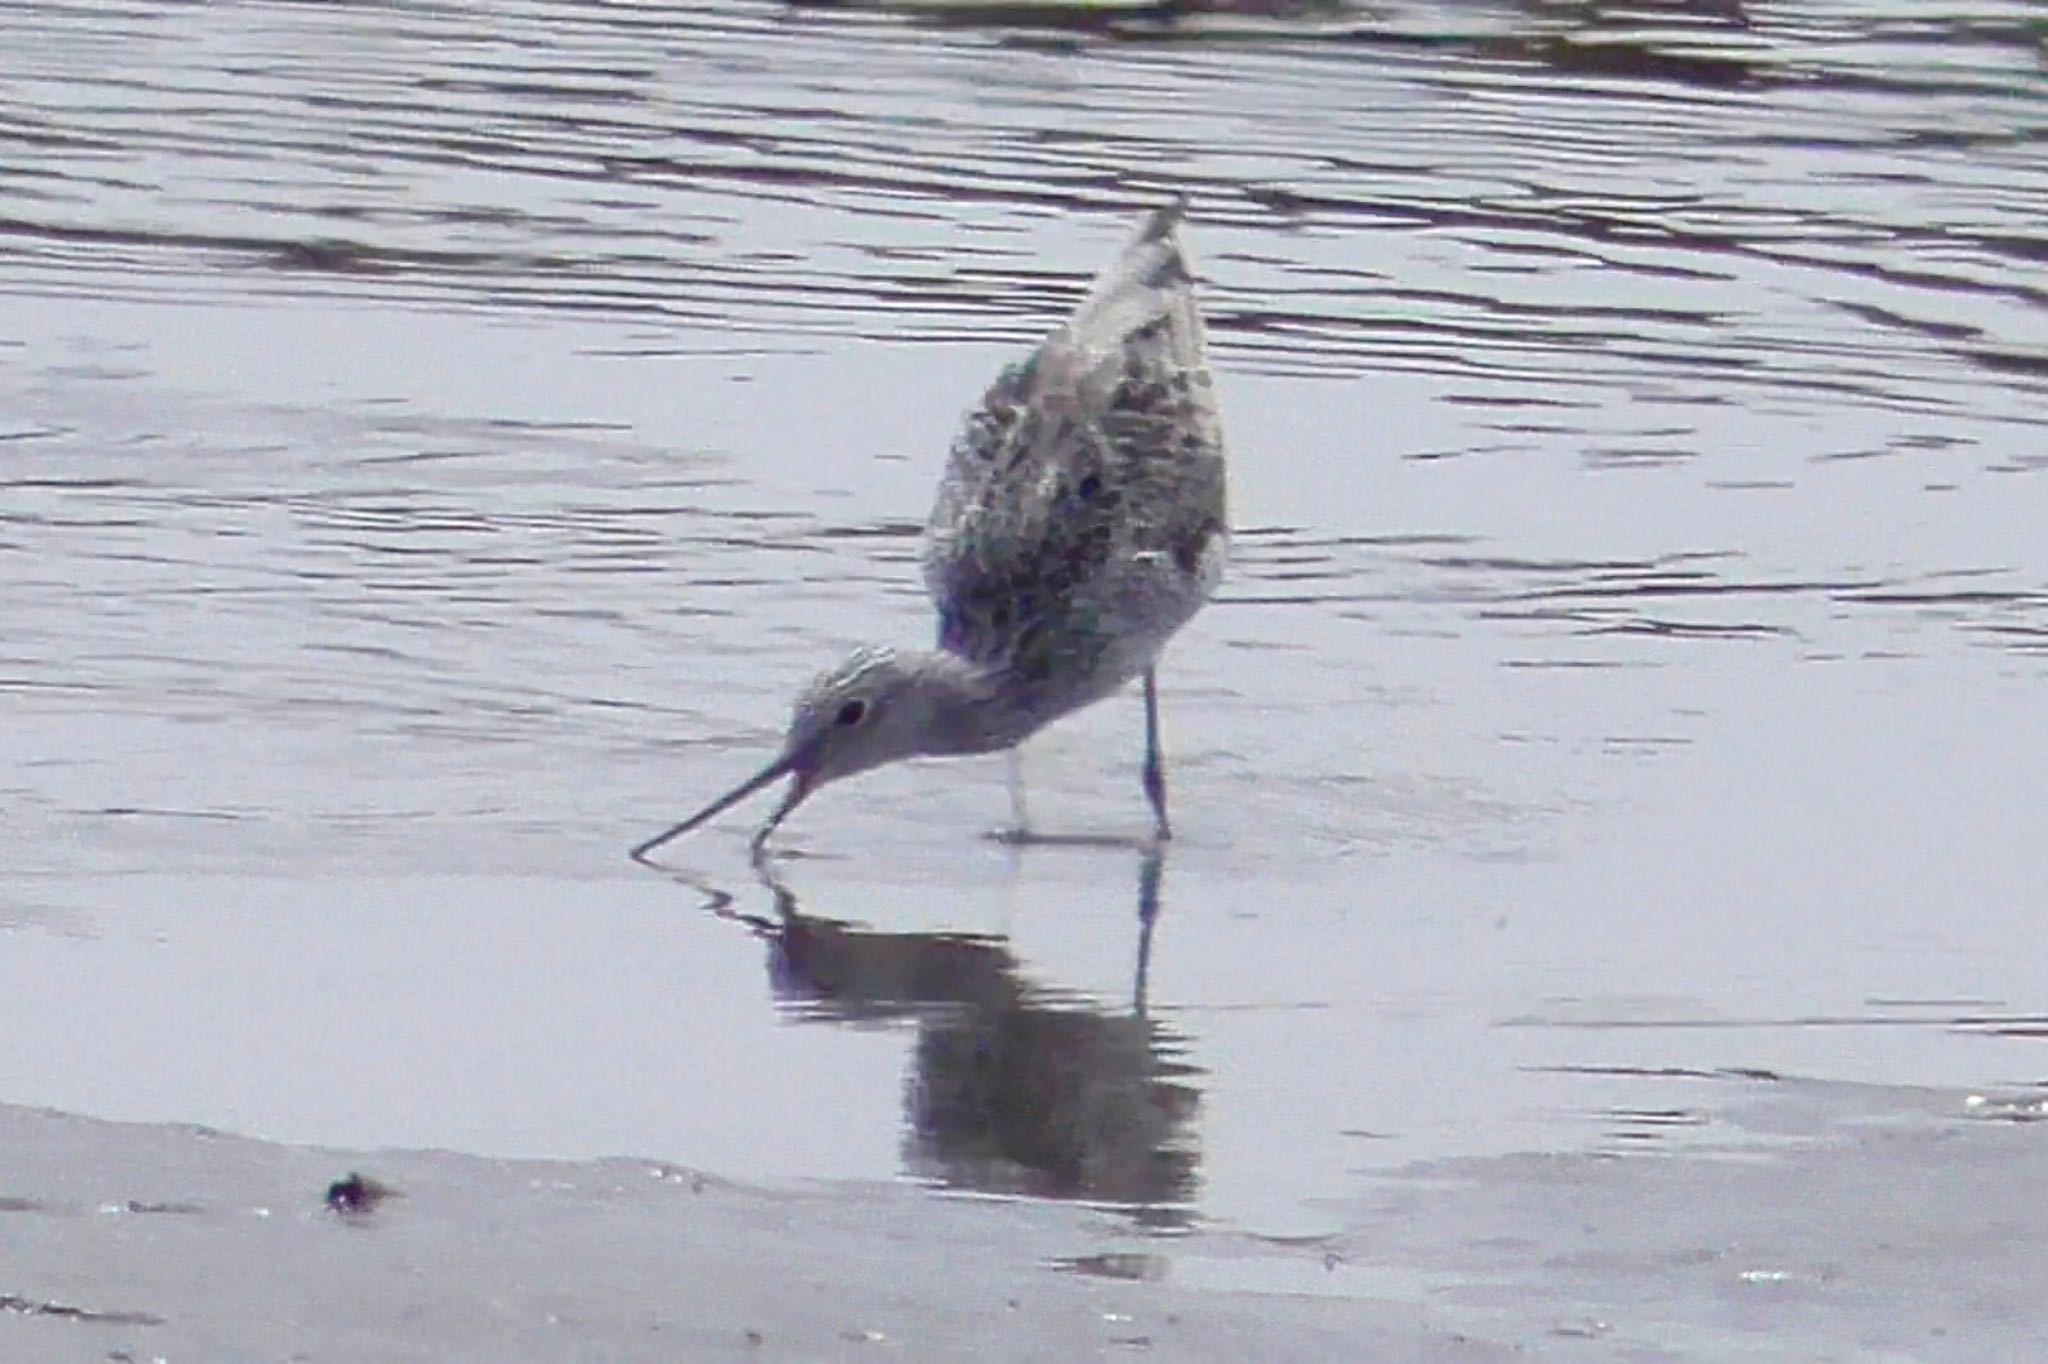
pixel 1079 524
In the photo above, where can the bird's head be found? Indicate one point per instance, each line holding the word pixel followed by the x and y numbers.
pixel 876 707
pixel 872 709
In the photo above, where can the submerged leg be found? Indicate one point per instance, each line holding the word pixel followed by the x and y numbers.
pixel 1020 818
pixel 1155 774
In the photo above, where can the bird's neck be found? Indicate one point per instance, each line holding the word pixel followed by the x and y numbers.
pixel 971 708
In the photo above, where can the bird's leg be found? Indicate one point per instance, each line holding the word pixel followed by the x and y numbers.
pixel 1020 818
pixel 1155 773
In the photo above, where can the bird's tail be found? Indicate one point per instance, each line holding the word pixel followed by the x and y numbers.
pixel 1151 281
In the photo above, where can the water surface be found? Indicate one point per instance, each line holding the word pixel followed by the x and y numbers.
pixel 435 441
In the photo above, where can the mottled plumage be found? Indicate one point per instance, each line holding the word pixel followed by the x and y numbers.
pixel 1080 523
pixel 1081 518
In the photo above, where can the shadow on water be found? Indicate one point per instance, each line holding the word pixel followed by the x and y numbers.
pixel 1016 1088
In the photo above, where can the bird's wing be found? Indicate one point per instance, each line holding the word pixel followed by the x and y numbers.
pixel 1102 447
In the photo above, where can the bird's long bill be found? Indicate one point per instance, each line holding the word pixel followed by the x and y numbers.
pixel 800 786
pixel 782 766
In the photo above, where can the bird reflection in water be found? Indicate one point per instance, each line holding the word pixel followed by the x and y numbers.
pixel 1015 1088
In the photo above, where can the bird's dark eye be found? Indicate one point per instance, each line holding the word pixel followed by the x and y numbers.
pixel 852 713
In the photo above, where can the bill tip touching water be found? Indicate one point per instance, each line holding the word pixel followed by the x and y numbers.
pixel 1080 522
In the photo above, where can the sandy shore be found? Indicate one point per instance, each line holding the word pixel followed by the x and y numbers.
pixel 150 1242
pixel 1858 1223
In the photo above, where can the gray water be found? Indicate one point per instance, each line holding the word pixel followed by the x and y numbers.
pixel 436 441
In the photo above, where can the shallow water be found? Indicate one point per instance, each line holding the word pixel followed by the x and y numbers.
pixel 434 444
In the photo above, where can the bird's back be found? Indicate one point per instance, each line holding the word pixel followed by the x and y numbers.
pixel 1081 518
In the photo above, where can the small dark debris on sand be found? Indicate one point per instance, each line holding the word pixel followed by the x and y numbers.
pixel 357 1195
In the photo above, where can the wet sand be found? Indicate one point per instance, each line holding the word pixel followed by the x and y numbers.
pixel 1849 1222
pixel 177 1243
